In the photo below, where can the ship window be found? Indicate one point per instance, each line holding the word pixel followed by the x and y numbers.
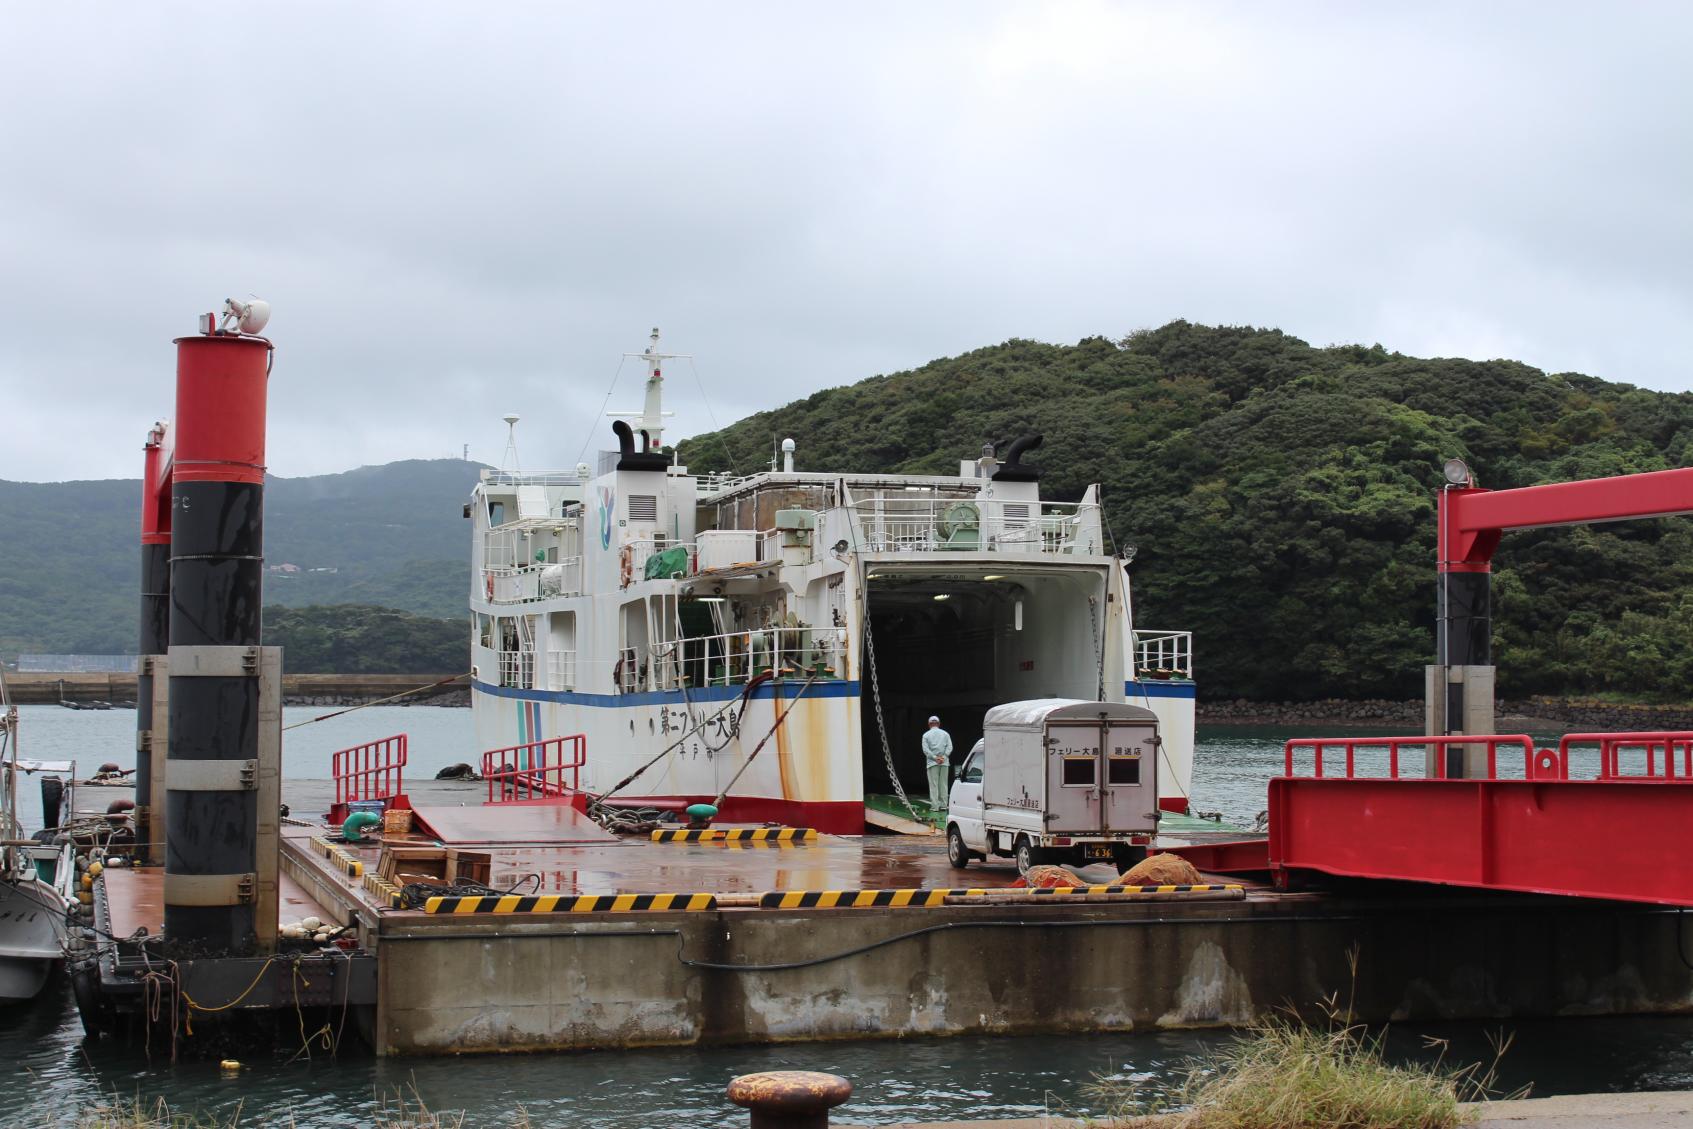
pixel 1079 771
pixel 643 507
pixel 1122 770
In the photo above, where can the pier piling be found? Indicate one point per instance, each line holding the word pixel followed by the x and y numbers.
pixel 212 870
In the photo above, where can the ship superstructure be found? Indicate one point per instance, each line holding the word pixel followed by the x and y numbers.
pixel 778 640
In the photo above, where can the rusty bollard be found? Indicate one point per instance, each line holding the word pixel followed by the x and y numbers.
pixel 790 1099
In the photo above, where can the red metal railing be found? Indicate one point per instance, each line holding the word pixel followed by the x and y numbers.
pixel 539 770
pixel 1538 764
pixel 1350 745
pixel 1611 746
pixel 372 771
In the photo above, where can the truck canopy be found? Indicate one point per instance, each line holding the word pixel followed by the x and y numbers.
pixel 1035 714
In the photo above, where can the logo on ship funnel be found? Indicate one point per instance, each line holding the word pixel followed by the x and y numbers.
pixel 608 500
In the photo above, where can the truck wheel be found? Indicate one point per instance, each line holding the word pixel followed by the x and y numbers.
pixel 956 852
pixel 1125 857
pixel 1026 854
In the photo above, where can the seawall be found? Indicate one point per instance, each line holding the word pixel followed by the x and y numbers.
pixel 36 688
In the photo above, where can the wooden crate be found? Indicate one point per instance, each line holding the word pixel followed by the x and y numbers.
pixel 469 866
pixel 402 865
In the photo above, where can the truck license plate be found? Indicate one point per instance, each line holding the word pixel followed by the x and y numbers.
pixel 1099 850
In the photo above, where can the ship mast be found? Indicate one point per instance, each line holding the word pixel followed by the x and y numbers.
pixel 651 417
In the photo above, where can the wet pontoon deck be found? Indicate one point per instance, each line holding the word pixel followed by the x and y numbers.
pixel 750 969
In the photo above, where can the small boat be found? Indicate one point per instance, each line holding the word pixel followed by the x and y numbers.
pixel 37 879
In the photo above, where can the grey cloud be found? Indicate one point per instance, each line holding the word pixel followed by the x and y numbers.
pixel 458 214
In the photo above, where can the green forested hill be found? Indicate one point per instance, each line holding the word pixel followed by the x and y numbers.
pixel 394 534
pixel 1281 496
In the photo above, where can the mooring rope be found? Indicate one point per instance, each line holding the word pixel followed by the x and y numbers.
pixel 379 701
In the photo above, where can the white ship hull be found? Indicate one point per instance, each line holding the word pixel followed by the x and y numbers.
pixel 32 934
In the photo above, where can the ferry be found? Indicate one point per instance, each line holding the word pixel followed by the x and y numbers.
pixel 775 643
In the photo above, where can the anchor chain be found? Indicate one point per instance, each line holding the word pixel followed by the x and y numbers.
pixel 881 723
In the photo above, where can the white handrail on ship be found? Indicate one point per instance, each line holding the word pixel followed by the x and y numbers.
pixel 1164 652
pixel 975 525
pixel 735 657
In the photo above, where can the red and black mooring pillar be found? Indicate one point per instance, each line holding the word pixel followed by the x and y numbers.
pixel 154 636
pixel 217 565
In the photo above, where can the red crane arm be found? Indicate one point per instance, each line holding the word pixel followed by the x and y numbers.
pixel 1471 520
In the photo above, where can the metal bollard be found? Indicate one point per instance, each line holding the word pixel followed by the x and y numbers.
pixel 790 1099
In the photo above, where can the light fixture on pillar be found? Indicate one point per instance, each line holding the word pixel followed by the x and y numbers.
pixel 1458 473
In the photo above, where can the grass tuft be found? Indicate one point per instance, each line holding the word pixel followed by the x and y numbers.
pixel 1284 1074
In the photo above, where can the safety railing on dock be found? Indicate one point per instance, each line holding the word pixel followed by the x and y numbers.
pixel 1345 751
pixel 1660 756
pixel 372 771
pixel 536 770
pixel 1650 745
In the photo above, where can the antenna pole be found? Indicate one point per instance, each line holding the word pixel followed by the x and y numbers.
pixel 651 417
pixel 509 460
pixel 652 414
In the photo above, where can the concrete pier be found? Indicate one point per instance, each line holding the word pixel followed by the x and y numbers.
pixel 462 983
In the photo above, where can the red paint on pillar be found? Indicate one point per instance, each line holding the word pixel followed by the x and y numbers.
pixel 155 486
pixel 220 409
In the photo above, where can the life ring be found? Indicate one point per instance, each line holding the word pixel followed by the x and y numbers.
pixel 488 578
pixel 626 562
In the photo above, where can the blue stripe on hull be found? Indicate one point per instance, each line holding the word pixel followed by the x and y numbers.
pixel 660 697
pixel 1159 690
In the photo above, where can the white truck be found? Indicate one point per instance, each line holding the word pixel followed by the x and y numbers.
pixel 1057 780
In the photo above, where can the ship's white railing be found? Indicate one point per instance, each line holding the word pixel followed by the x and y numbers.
pixel 535 582
pixel 633 557
pixel 517 669
pixel 629 674
pixel 1163 654
pixel 718 481
pixel 561 670
pixel 924 525
pixel 733 658
pixel 539 478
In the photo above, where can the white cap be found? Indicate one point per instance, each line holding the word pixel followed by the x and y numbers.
pixel 933 720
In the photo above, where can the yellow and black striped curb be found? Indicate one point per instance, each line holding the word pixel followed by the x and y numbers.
pixel 734 835
pixel 351 866
pixel 568 903
pixel 383 890
pixel 856 899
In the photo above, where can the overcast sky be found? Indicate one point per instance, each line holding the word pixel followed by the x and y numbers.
pixel 458 211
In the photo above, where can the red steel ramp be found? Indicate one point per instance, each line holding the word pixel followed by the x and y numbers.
pixel 1619 836
pixel 509 823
